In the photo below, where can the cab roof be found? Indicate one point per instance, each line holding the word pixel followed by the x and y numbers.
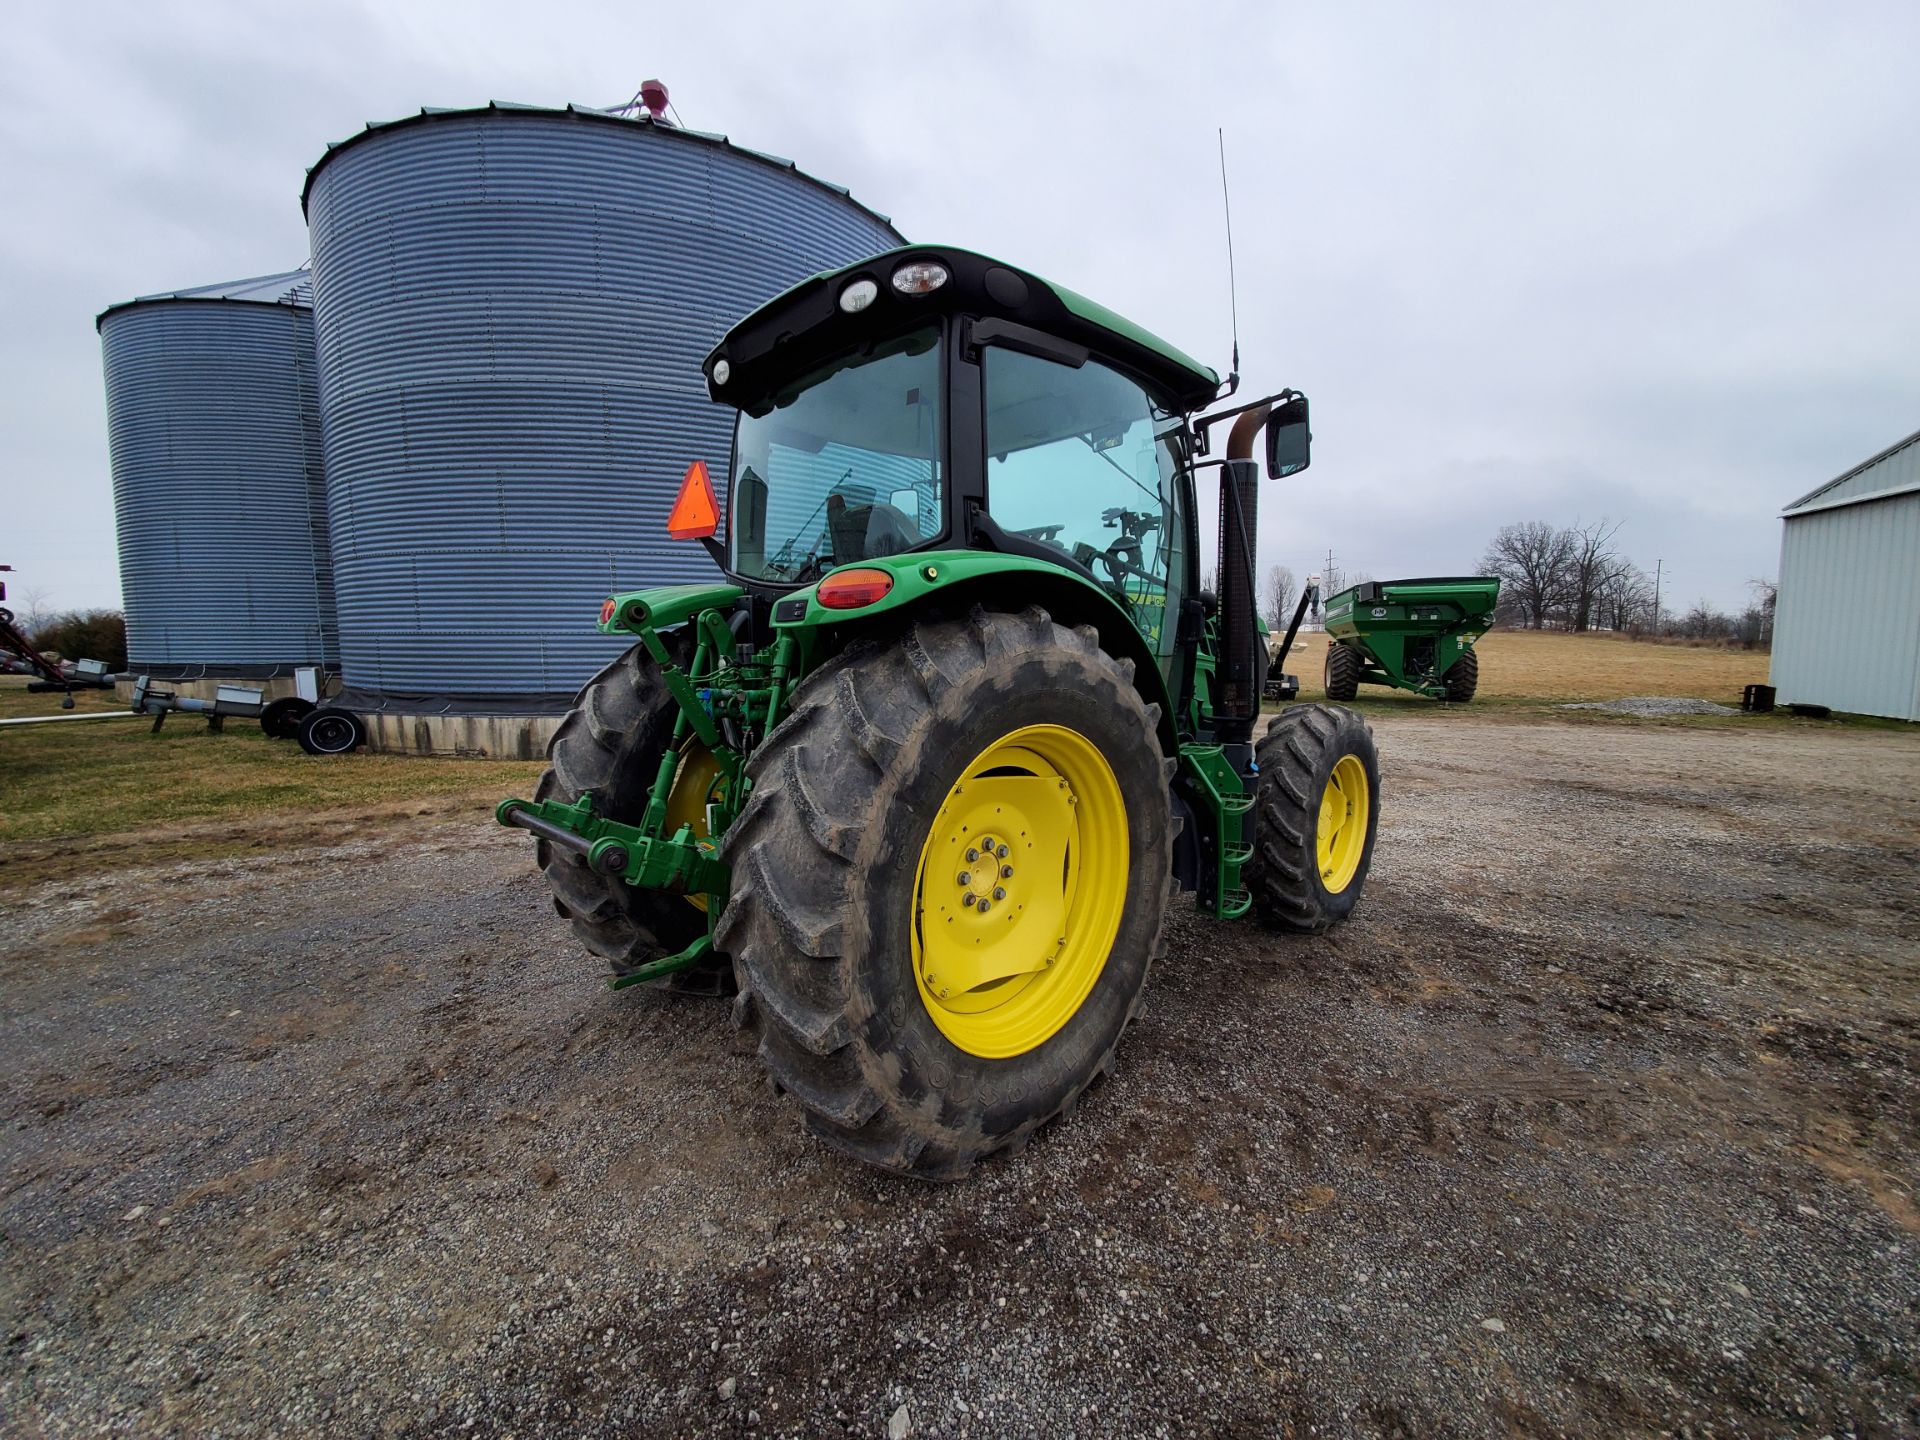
pixel 806 323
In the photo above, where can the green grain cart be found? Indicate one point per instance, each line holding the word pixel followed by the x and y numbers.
pixel 916 777
pixel 1411 634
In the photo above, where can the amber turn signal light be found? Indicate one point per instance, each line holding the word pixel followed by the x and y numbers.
pixel 850 589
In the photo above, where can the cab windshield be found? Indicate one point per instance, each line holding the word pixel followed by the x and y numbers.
pixel 843 465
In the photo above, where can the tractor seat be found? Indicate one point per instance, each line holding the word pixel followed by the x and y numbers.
pixel 865 532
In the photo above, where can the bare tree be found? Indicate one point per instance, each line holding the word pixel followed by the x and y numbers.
pixel 1703 622
pixel 1625 599
pixel 35 611
pixel 1590 566
pixel 1531 560
pixel 1280 596
pixel 1757 622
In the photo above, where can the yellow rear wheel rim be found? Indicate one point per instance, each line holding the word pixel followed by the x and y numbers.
pixel 1019 892
pixel 697 783
pixel 1341 831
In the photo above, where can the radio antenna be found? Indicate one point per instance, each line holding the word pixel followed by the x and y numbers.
pixel 1233 291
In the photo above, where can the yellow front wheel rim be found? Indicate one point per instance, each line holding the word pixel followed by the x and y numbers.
pixel 1341 831
pixel 1020 889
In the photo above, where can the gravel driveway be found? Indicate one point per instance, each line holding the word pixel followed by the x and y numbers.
pixel 1600 1119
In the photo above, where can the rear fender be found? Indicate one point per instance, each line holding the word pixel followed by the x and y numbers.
pixel 955 581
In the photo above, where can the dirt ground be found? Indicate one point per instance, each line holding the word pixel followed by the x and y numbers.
pixel 1599 1119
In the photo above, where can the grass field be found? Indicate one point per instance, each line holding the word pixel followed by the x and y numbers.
pixel 1545 666
pixel 108 790
pixel 64 788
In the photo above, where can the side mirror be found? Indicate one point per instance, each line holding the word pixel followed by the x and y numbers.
pixel 750 520
pixel 1289 443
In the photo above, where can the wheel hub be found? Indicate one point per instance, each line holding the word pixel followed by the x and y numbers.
pixel 1003 841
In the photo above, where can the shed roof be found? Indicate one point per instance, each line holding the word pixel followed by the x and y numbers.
pixel 1855 486
pixel 289 287
pixel 587 114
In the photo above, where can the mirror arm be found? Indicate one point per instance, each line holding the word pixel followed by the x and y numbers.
pixel 1201 424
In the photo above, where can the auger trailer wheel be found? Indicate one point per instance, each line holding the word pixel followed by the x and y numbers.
pixel 329 731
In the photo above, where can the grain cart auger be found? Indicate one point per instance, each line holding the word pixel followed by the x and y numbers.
pixel 919 775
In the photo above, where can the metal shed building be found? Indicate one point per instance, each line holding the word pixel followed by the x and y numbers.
pixel 213 422
pixel 512 306
pixel 1846 630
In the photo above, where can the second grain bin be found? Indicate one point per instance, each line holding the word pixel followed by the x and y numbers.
pixel 512 306
pixel 213 421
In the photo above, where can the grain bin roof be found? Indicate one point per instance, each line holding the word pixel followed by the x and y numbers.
pixel 1902 477
pixel 290 287
pixel 585 114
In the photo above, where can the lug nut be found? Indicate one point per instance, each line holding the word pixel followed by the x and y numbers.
pixel 986 843
pixel 967 899
pixel 985 905
pixel 1006 872
pixel 998 893
pixel 965 878
pixel 972 855
pixel 1001 851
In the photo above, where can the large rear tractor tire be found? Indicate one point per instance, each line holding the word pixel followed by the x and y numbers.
pixel 948 886
pixel 1316 810
pixel 1462 677
pixel 1343 671
pixel 611 743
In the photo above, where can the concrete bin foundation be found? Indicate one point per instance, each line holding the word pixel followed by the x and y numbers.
pixel 467 737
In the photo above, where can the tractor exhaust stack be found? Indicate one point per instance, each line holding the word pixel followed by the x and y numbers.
pixel 1240 671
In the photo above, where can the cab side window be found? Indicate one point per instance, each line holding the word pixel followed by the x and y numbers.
pixel 1083 460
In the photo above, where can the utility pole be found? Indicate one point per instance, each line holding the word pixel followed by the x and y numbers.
pixel 1656 595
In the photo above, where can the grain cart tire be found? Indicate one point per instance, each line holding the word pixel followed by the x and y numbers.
pixel 865 922
pixel 610 743
pixel 281 719
pixel 330 731
pixel 1316 809
pixel 1343 671
pixel 1462 677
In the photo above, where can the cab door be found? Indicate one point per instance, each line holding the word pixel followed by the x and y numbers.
pixel 1084 460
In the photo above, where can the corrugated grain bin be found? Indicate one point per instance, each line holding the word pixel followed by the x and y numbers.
pixel 219 490
pixel 513 305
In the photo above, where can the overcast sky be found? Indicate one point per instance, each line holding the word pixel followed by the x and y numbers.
pixel 1654 263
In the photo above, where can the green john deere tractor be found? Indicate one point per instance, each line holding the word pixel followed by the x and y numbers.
pixel 917 778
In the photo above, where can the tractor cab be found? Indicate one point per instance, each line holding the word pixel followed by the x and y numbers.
pixel 931 400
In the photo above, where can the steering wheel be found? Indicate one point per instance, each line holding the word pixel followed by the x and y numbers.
pixel 1120 560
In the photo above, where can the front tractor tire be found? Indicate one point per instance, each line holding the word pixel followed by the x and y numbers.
pixel 1317 807
pixel 610 743
pixel 948 886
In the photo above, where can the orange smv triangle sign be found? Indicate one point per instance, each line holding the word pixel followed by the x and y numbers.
pixel 695 514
